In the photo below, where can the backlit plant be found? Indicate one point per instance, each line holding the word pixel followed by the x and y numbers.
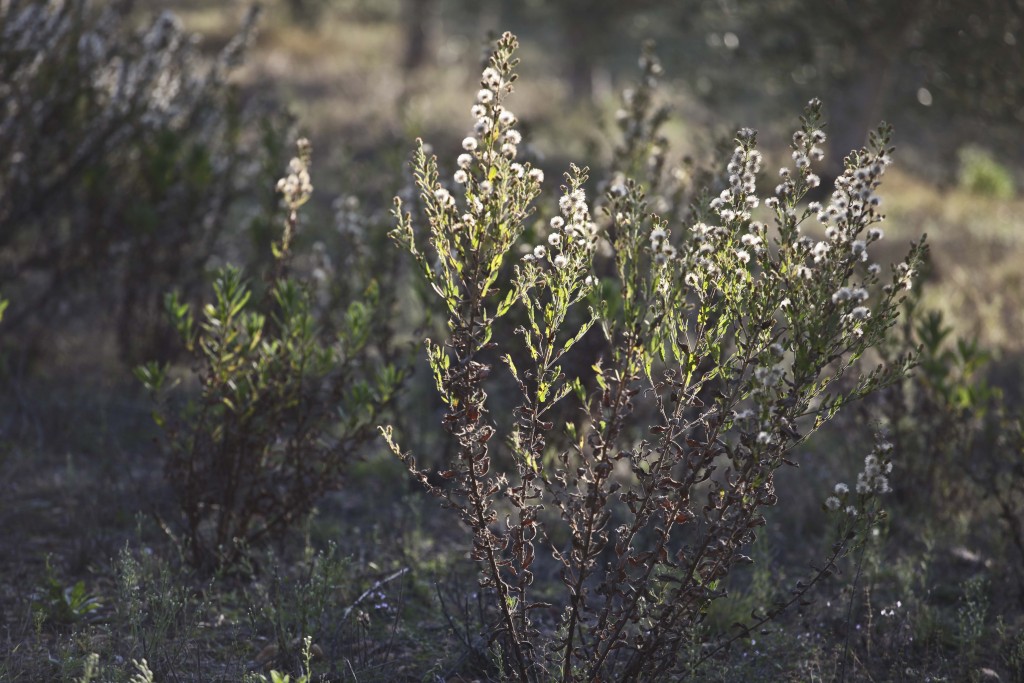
pixel 283 407
pixel 725 340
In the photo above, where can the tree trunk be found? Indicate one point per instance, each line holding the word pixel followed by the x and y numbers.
pixel 419 33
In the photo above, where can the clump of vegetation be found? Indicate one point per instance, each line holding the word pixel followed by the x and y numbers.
pixel 980 173
pixel 122 153
pixel 729 342
pixel 283 408
pixel 625 373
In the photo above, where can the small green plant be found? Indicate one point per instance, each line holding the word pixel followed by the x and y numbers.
pixel 727 343
pixel 971 618
pixel 307 672
pixel 301 604
pixel 980 173
pixel 90 668
pixel 142 674
pixel 282 407
pixel 158 614
pixel 63 605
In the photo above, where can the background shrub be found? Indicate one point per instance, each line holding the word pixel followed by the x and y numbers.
pixel 980 173
pixel 122 153
pixel 283 408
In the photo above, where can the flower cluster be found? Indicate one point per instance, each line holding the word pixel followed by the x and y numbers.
pixel 573 235
pixel 877 467
pixel 493 125
pixel 296 186
pixel 661 247
pixel 736 201
pixel 872 481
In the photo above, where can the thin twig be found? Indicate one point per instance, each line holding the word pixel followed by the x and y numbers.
pixel 849 615
pixel 387 579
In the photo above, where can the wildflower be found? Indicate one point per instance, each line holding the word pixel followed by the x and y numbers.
pixel 852 512
pixel 832 503
pixel 461 177
pixel 444 198
pixel 477 110
pixel 764 437
pixel 536 175
pixel 743 256
pixel 875 234
pixel 554 239
pixel 465 160
pixel 513 137
pixel 469 144
pixel 841 294
pixel 565 204
pixel 491 78
pixel 485 96
pixel 486 187
pixel 507 118
pixel 483 125
pixel 819 251
pixel 518 170
pixel 540 251
pixel 842 489
pixel 860 249
pixel 657 235
pixel 561 261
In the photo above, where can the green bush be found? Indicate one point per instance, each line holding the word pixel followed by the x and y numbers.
pixel 283 406
pixel 980 173
pixel 726 343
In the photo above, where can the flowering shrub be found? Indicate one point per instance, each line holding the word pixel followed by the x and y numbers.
pixel 726 340
pixel 121 153
pixel 283 407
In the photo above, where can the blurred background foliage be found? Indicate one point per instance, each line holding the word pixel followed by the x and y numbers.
pixel 121 200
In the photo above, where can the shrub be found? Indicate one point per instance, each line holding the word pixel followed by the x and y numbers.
pixel 121 155
pixel 727 341
pixel 980 173
pixel 283 407
pixel 962 441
